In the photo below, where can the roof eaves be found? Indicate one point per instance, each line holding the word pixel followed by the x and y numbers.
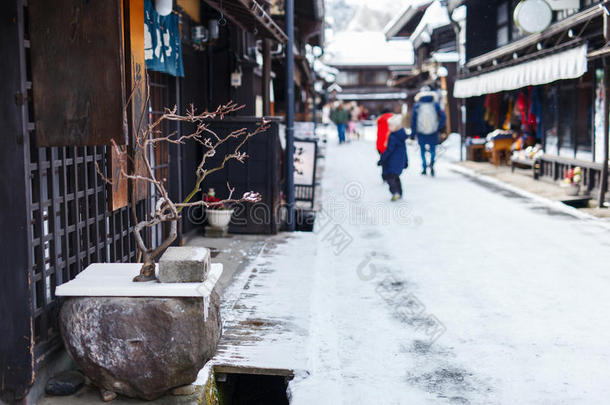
pixel 427 25
pixel 402 18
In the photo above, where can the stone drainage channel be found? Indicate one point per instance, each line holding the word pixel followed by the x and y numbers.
pixel 245 386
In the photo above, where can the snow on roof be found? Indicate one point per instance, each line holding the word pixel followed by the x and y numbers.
pixel 402 18
pixel 328 73
pixel 445 57
pixel 369 48
pixel 436 16
pixel 335 87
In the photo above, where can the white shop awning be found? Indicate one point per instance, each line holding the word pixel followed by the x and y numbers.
pixel 569 64
pixel 373 96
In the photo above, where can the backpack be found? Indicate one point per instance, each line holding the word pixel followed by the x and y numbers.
pixel 427 118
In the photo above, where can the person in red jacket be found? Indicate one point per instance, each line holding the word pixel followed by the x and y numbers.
pixel 383 131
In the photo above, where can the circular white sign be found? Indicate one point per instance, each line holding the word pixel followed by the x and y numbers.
pixel 533 16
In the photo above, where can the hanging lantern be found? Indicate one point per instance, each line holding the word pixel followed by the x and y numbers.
pixel 163 7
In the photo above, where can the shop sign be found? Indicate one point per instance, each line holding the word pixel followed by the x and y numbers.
pixel 304 163
pixel 533 16
pixel 78 77
pixel 162 42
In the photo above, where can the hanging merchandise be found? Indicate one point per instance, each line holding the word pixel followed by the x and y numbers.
pixel 535 118
pixel 509 114
pixel 162 42
pixel 523 104
pixel 493 105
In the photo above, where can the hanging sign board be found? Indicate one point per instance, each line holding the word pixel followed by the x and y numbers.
pixel 162 42
pixel 304 163
pixel 78 75
pixel 304 130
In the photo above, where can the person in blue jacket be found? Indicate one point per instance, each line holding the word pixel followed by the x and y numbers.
pixel 427 120
pixel 394 160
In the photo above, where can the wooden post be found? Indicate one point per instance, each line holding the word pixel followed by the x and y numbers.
pixel 461 127
pixel 444 88
pixel 603 184
pixel 137 83
pixel 289 18
pixel 266 77
pixel 17 338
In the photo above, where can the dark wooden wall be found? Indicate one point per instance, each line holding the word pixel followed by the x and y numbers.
pixel 480 28
pixel 16 340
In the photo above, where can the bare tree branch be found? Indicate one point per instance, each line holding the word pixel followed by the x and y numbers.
pixel 147 137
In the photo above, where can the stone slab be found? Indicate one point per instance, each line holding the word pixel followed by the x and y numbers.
pixel 115 280
pixel 184 264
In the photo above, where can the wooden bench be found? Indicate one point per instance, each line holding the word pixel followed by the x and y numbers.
pixel 555 167
pixel 532 164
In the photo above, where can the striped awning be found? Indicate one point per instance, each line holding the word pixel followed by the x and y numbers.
pixel 569 64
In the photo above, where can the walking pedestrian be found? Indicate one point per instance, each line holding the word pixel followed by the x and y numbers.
pixel 383 131
pixel 395 159
pixel 363 114
pixel 353 122
pixel 427 120
pixel 340 117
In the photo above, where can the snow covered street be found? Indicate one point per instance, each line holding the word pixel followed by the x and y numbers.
pixel 457 294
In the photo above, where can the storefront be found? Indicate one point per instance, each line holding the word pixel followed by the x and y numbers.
pixel 69 69
pixel 547 103
pixel 538 100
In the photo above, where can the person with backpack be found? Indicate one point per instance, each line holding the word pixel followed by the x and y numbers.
pixel 427 120
pixel 394 159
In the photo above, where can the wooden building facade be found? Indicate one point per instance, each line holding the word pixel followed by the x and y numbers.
pixel 556 75
pixel 69 69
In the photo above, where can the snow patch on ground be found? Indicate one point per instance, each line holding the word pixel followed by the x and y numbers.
pixel 455 295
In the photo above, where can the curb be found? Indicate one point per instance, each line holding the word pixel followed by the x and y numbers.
pixel 556 205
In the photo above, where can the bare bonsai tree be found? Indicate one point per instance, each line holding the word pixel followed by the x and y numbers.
pixel 141 171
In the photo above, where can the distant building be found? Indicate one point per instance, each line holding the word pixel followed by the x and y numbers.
pixel 426 24
pixel 366 64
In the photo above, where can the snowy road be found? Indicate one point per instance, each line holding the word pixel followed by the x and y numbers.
pixel 459 294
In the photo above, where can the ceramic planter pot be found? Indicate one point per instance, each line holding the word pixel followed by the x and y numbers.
pixel 218 218
pixel 573 190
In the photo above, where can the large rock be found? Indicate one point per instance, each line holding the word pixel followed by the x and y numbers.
pixel 140 347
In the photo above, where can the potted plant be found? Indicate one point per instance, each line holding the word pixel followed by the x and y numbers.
pixel 572 181
pixel 141 173
pixel 217 211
